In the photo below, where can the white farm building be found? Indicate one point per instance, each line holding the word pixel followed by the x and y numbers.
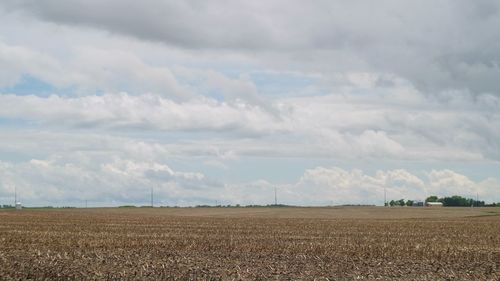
pixel 434 204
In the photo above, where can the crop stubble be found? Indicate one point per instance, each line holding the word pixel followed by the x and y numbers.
pixel 250 244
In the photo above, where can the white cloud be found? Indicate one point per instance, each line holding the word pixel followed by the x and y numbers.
pixel 142 112
pixel 332 125
pixel 448 182
pixel 121 181
pixel 89 70
pixel 324 185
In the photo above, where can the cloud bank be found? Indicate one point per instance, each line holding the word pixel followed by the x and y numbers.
pixel 439 45
pixel 128 182
pixel 340 126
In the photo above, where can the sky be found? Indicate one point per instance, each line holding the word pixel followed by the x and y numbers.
pixel 224 102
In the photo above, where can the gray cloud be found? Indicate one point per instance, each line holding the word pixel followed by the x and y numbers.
pixel 189 24
pixel 439 45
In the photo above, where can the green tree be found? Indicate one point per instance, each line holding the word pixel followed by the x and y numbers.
pixel 401 202
pixel 457 201
pixel 409 203
pixel 432 198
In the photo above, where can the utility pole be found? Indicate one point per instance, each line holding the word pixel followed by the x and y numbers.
pixel 151 197
pixel 15 195
pixel 385 197
pixel 85 204
pixel 477 199
pixel 275 197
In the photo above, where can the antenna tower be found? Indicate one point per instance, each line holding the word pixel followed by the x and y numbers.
pixel 275 197
pixel 385 197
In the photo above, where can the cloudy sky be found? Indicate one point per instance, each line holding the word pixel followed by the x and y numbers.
pixel 330 102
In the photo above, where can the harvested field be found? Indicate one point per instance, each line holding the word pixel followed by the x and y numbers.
pixel 251 244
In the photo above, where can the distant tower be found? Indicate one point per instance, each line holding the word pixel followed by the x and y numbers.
pixel 152 200
pixel 385 197
pixel 17 204
pixel 275 197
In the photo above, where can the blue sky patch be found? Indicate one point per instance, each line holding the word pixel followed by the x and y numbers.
pixel 30 85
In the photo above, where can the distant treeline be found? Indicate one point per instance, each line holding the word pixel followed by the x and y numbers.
pixel 459 201
pixel 214 206
pixel 44 207
pixel 402 202
pixel 244 206
pixel 452 201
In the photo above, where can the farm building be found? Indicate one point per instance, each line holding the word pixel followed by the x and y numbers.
pixel 417 203
pixel 434 204
pixel 19 206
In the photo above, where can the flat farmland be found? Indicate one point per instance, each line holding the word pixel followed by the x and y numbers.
pixel 344 243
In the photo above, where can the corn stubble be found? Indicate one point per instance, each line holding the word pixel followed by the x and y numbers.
pixel 156 245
